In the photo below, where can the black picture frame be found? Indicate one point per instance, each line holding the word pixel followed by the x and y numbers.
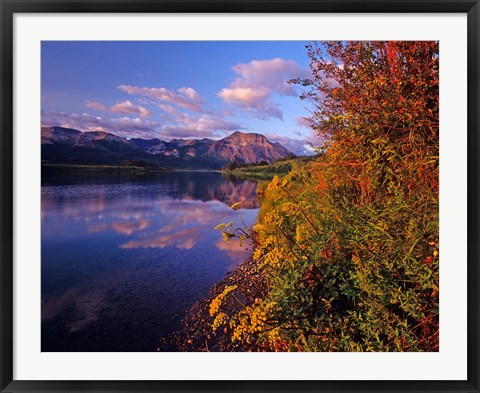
pixel 8 8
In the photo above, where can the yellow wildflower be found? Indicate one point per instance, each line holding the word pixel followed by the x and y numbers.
pixel 273 185
pixel 235 206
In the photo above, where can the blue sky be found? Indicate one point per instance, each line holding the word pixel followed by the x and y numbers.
pixel 174 89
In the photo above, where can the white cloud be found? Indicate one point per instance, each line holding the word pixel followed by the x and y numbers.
pixel 95 106
pixel 185 97
pixel 128 108
pixel 257 80
pixel 205 125
pixel 170 110
pixel 295 145
pixel 183 126
pixel 122 126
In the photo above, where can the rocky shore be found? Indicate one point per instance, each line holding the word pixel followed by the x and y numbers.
pixel 196 333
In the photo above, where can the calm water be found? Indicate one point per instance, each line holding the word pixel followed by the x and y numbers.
pixel 123 257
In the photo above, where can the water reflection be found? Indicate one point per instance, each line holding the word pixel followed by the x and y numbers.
pixel 123 258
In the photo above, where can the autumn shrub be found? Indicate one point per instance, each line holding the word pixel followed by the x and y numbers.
pixel 348 242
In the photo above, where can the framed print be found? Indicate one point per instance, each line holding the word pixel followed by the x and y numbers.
pixel 210 196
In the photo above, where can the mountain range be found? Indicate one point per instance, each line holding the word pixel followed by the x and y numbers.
pixel 69 146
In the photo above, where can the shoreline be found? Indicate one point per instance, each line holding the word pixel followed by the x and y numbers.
pixel 115 169
pixel 196 333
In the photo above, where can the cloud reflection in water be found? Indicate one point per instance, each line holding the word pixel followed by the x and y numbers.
pixel 133 254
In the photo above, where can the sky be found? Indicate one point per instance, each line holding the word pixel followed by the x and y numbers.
pixel 178 89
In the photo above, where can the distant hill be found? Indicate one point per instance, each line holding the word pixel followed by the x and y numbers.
pixel 68 146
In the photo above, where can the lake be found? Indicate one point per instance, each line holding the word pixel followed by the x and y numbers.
pixel 124 256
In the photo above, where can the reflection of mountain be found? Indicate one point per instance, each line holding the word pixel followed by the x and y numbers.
pixel 203 186
pixel 150 215
pixel 124 257
pixel 230 193
pixel 69 146
pixel 210 186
